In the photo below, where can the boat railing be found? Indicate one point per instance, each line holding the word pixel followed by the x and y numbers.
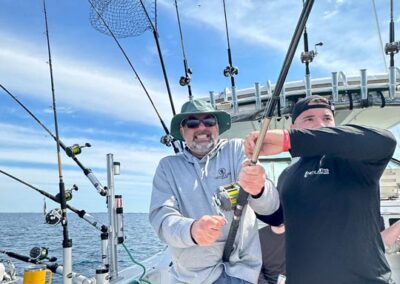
pixel 362 90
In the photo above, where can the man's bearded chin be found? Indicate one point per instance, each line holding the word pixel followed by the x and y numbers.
pixel 204 147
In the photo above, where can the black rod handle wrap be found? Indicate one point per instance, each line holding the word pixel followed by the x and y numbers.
pixel 237 214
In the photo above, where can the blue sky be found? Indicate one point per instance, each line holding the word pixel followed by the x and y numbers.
pixel 99 100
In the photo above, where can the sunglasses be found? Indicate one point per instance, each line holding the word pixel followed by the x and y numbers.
pixel 193 122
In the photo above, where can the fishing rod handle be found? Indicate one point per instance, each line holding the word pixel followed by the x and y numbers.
pixel 241 202
pixel 96 183
pixel 20 256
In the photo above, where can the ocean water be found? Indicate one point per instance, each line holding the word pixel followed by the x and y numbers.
pixel 19 232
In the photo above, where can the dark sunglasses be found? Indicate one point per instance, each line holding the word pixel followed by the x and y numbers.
pixel 193 122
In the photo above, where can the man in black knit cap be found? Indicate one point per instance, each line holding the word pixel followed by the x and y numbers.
pixel 330 196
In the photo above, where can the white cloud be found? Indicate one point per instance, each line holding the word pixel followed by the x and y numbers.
pixel 33 159
pixel 81 85
pixel 330 14
pixel 348 30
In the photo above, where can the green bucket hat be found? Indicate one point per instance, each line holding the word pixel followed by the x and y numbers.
pixel 196 107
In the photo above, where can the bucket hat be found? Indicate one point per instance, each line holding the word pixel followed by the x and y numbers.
pixel 199 107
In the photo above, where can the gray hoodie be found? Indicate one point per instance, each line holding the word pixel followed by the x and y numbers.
pixel 183 186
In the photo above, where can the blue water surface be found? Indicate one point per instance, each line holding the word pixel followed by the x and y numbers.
pixel 19 232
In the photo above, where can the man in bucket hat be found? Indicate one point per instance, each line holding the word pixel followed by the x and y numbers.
pixel 330 196
pixel 181 209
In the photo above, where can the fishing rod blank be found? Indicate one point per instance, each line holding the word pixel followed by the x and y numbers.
pixel 230 71
pixel 282 77
pixel 51 216
pixel 184 80
pixel 106 23
pixel 392 47
pixel 242 197
pixel 71 151
pixel 20 257
pixel 81 213
pixel 307 57
pixel 67 242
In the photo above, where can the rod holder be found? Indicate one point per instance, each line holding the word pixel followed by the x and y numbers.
pixel 234 100
pixel 269 87
pixel 363 84
pixel 226 94
pixel 112 248
pixel 212 98
pixel 335 86
pixel 282 98
pixel 258 95
pixel 392 82
pixel 307 80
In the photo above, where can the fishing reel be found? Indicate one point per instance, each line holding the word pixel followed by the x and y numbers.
pixel 308 56
pixel 53 217
pixel 41 253
pixel 225 197
pixel 185 80
pixel 392 47
pixel 231 71
pixel 167 140
pixel 68 193
pixel 76 149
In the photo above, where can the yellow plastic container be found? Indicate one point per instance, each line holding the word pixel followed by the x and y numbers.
pixel 37 274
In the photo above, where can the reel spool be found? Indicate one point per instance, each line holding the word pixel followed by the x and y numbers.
pixel 41 253
pixel 185 80
pixel 68 193
pixel 226 196
pixel 167 140
pixel 392 47
pixel 76 149
pixel 308 56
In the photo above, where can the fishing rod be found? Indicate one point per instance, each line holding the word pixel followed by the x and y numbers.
pixel 392 47
pixel 20 257
pixel 282 77
pixel 184 80
pixel 167 140
pixel 379 34
pixel 81 213
pixel 229 71
pixel 307 57
pixel 242 197
pixel 71 151
pixel 67 242
pixel 155 35
pixel 53 217
pixel 396 161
